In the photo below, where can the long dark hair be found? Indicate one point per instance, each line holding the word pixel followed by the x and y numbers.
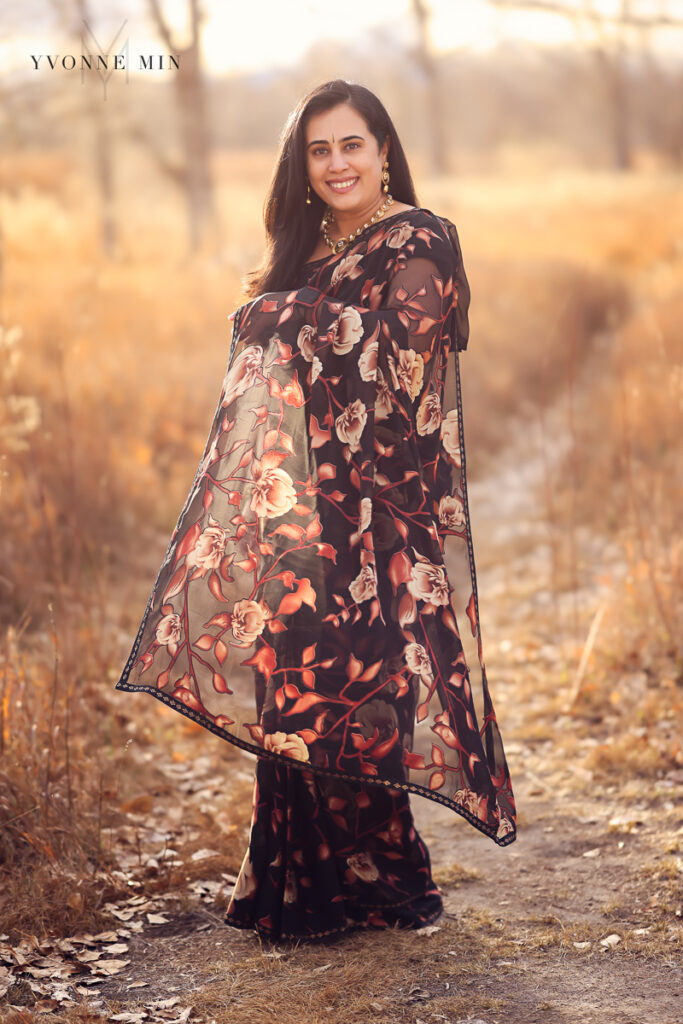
pixel 292 225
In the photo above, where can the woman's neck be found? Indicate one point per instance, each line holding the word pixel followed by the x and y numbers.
pixel 344 223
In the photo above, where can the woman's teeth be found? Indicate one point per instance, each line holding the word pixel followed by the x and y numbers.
pixel 342 186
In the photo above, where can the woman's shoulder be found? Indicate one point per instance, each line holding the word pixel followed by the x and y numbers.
pixel 417 223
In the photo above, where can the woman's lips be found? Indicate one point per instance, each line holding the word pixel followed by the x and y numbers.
pixel 342 186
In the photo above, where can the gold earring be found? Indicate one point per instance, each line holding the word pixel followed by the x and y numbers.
pixel 385 176
pixel 308 194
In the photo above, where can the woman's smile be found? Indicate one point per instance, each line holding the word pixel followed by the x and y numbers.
pixel 344 185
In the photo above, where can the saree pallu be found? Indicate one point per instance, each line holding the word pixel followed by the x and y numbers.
pixel 305 607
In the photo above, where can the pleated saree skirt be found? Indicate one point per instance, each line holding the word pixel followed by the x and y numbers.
pixel 327 855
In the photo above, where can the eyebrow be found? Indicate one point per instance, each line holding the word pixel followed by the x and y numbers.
pixel 324 142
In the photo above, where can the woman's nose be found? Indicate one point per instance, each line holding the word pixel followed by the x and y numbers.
pixel 337 160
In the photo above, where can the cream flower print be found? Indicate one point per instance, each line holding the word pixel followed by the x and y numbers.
pixel 273 491
pixel 429 414
pixel 392 372
pixel 399 235
pixel 248 620
pixel 289 893
pixel 363 867
pixel 365 584
pixel 242 373
pixel 346 331
pixel 316 369
pixel 452 512
pixel 365 513
pixel 410 371
pixel 364 518
pixel 418 662
pixel 428 583
pixel 350 424
pixel 289 744
pixel 450 436
pixel 306 342
pixel 348 267
pixel 382 398
pixel 467 798
pixel 168 632
pixel 246 885
pixel 367 364
pixel 209 457
pixel 209 549
pixel 504 828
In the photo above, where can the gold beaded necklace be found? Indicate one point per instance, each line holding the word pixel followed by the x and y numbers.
pixel 345 240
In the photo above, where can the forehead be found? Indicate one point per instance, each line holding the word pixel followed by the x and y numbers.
pixel 336 123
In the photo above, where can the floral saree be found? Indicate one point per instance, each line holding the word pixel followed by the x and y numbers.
pixel 305 609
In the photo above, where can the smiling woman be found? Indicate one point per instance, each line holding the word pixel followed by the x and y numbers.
pixel 304 610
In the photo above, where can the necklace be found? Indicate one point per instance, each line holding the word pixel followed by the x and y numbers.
pixel 345 240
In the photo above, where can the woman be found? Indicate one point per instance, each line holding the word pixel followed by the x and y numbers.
pixel 303 610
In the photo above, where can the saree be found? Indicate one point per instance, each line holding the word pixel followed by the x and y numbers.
pixel 305 608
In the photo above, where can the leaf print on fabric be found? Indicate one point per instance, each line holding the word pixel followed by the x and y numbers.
pixel 303 610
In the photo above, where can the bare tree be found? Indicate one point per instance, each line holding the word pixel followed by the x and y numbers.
pixel 609 37
pixel 97 114
pixel 438 158
pixel 193 173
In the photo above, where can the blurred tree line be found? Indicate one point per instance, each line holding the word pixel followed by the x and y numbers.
pixel 606 102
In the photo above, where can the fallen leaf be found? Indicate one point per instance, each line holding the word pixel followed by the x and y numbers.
pixel 319 970
pixel 138 984
pixel 118 947
pixel 592 853
pixel 157 919
pixel 123 915
pixel 182 1017
pixel 163 1004
pixel 430 929
pixel 581 945
pixel 203 854
pixel 46 1005
pixel 88 955
pixel 610 941
pixel 110 966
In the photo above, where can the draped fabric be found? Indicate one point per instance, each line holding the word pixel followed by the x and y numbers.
pixel 328 855
pixel 306 606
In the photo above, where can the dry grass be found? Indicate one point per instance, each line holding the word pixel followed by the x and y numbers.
pixel 107 385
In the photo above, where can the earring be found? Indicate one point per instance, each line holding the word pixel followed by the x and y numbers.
pixel 385 176
pixel 308 193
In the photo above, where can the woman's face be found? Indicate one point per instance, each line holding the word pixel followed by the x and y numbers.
pixel 343 161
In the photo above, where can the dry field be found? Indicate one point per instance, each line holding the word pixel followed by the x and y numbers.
pixel 123 824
